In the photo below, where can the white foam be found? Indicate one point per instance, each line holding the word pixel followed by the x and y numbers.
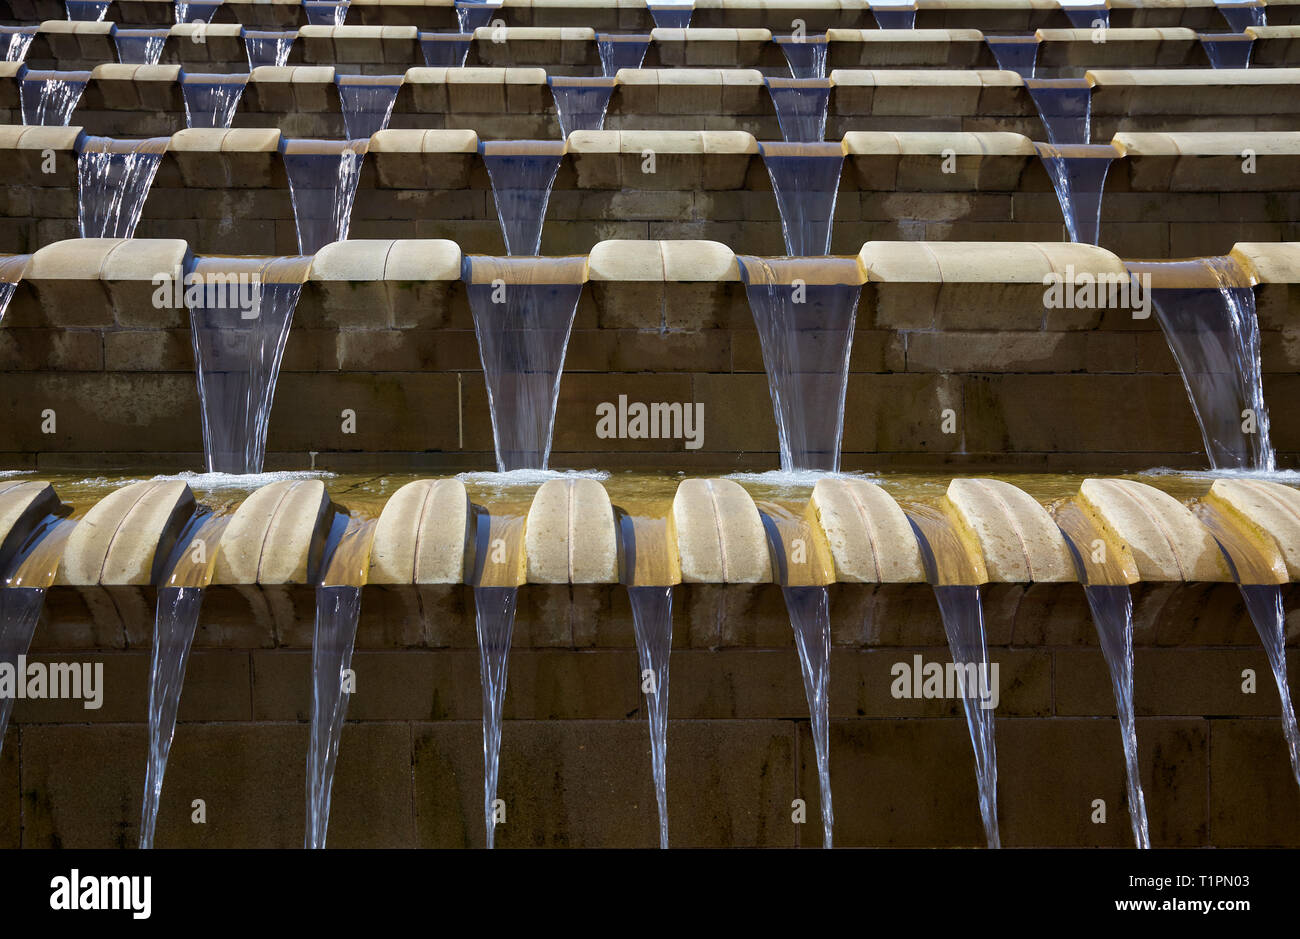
pixel 794 479
pixel 212 481
pixel 1289 477
pixel 527 477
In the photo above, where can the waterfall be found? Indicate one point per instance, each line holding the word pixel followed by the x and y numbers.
pixel 1206 309
pixel 194 12
pixel 323 177
pixel 801 105
pixel 805 327
pixel 1017 54
pixel 806 56
pixel 619 51
pixel 337 612
pixel 49 98
pixel 92 11
pixel 474 14
pixel 494 620
pixel 267 48
pixel 139 46
pixel 900 15
pixel 523 313
pixel 367 103
pixel 809 609
pixel 18 41
pixel 326 12
pixel 1084 14
pixel 7 289
pixel 1265 605
pixel 1065 108
pixel 445 50
pixel 11 272
pixel 652 621
pixel 806 182
pixel 1078 175
pixel 1227 50
pixel 522 174
pixel 113 179
pixel 671 14
pixel 239 331
pixel 581 102
pixel 210 100
pixel 1242 14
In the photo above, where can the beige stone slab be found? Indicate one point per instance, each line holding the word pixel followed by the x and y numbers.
pixel 1265 510
pixel 1019 540
pixel 720 536
pixel 1167 540
pixel 23 504
pixel 870 539
pixel 422 534
pixel 570 535
pixel 276 536
pixel 126 537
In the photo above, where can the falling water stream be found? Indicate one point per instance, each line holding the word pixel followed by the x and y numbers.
pixel 522 174
pixel 86 10
pixel 652 620
pixel 49 98
pixel 194 12
pixel 1086 14
pixel 581 103
pixel 15 41
pixel 1243 14
pixel 806 182
pixel 445 50
pixel 621 50
pixel 367 103
pixel 113 178
pixel 268 48
pixel 1265 605
pixel 326 12
pixel 211 100
pixel 1227 50
pixel 805 311
pixel 1017 54
pixel 901 15
pixel 1078 174
pixel 323 178
pixel 805 55
pixel 801 105
pixel 139 46
pixel 671 14
pixel 11 271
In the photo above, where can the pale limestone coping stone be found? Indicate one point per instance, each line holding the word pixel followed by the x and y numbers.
pixel 423 141
pixel 208 30
pixel 276 536
pixel 1269 262
pixel 126 537
pixel 68 274
pixel 1192 144
pixel 981 262
pixel 421 535
pixel 612 159
pixel 243 157
pixel 686 77
pixel 379 259
pixel 535 34
pixel 1266 510
pixel 1168 542
pixel 81 27
pixel 891 36
pixel 1210 162
pixel 1120 34
pixel 1019 540
pixel 23 504
pixel 930 143
pixel 685 261
pixel 720 536
pixel 358 32
pixel 713 34
pixel 423 159
pixel 291 74
pixel 222 140
pixel 870 539
pixel 486 75
pixel 119 72
pixel 570 535
pixel 1192 77
pixel 887 161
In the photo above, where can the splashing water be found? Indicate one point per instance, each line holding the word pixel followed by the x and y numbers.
pixel 267 48
pixel 49 98
pixel 445 50
pixel 1078 175
pixel 367 103
pixel 238 345
pixel 494 620
pixel 806 332
pixel 323 178
pixel 652 620
pixel 1213 332
pixel 327 13
pixel 581 103
pixel 1265 605
pixel 809 609
pixel 1227 50
pixel 805 55
pixel 801 105
pixel 114 177
pixel 523 314
pixel 210 100
pixel 522 174
pixel 15 40
pixel 618 51
pixel 806 182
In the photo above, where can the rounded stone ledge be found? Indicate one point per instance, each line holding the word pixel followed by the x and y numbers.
pixel 189 30
pixel 720 536
pixel 1019 540
pixel 710 34
pixel 891 36
pixel 291 74
pixel 358 32
pixel 422 534
pixel 1265 510
pixel 729 142
pixel 42 138
pixel 1120 34
pixel 423 141
pixel 222 140
pixel 870 539
pixel 119 72
pixel 930 143
pixel 126 537
pixel 535 34
pixel 1181 77
pixel 1168 542
pixel 276 536
pixel 981 262
pixel 119 259
pixel 78 27
pixel 375 259
pixel 1269 262
pixel 1194 144
pixel 23 504
pixel 682 261
pixel 485 75
pixel 570 535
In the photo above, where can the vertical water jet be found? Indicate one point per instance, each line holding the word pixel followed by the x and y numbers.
pixel 113 181
pixel 522 174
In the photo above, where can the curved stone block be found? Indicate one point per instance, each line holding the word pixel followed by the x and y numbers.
pixel 870 539
pixel 126 537
pixel 1168 542
pixel 720 536
pixel 1019 540
pixel 570 536
pixel 421 534
pixel 276 536
pixel 23 504
pixel 1265 510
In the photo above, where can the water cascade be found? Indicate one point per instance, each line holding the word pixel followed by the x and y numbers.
pixel 49 98
pixel 177 617
pixel 621 50
pixel 955 577
pixel 1242 14
pixel 210 100
pixel 901 15
pixel 523 312
pixel 581 102
pixel 268 48
pixel 139 46
pixel 367 102
pixel 1078 174
pixel 323 177
pixel 195 12
pixel 240 314
pixel 92 11
pixel 1065 108
pixel 805 312
pixel 1227 50
pixel 1017 54
pixel 522 174
pixel 445 50
pixel 805 55
pixel 326 12
pixel 338 609
pixel 806 182
pixel 15 40
pixel 474 14
pixel 113 179
pixel 11 272
pixel 671 14
pixel 1086 14
pixel 1265 605
pixel 1206 309
pixel 801 105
